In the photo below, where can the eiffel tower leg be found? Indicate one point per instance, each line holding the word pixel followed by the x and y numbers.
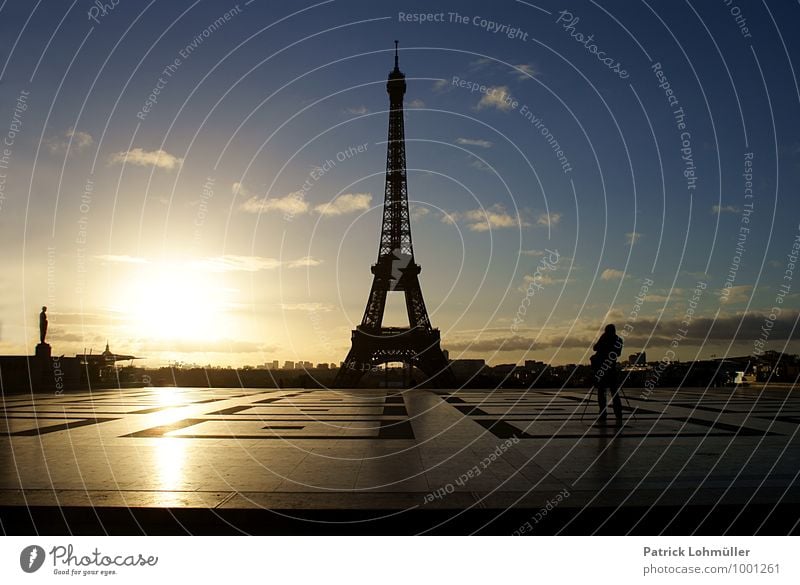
pixel 433 363
pixel 357 363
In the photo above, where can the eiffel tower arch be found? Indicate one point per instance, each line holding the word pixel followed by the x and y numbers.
pixel 418 344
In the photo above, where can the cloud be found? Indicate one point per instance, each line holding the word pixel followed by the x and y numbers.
pixel 418 212
pixel 358 110
pixel 524 71
pixel 74 140
pixel 474 142
pixel 496 97
pixel 737 294
pixel 307 307
pixel 483 220
pixel 291 204
pixel 235 263
pixel 416 103
pixel 650 332
pixel 632 237
pixel 304 261
pixel 441 85
pixel 121 258
pixel 548 219
pixel 719 209
pixel 481 166
pixel 202 346
pixel 147 158
pixel 612 274
pixel 347 203
pixel 480 63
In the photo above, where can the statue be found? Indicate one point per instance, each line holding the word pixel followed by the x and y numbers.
pixel 43 324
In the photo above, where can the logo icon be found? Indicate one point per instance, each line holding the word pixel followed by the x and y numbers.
pixel 400 261
pixel 31 558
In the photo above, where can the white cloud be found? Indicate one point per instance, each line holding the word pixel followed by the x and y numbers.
pixel 496 97
pixel 550 219
pixel 304 262
pixel 308 307
pixel 441 85
pixel 632 237
pixel 147 158
pixel 474 142
pixel 80 141
pixel 223 263
pixel 347 203
pixel 291 204
pixel 358 110
pixel 121 259
pixel 737 294
pixel 235 263
pixel 612 274
pixel 524 71
pixel 483 220
pixel 481 166
pixel 717 209
pixel 417 103
pixel 418 212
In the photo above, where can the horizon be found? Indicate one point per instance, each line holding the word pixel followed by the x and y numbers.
pixel 218 201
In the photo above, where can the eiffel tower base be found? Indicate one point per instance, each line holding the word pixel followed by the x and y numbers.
pixel 415 347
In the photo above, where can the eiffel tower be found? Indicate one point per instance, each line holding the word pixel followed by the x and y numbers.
pixel 395 270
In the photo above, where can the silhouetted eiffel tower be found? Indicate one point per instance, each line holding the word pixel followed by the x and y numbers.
pixel 395 270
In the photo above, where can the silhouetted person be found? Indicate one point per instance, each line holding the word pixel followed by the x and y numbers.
pixel 608 348
pixel 42 324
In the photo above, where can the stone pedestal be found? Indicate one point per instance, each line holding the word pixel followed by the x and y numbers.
pixel 43 350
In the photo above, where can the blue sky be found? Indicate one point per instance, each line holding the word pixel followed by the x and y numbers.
pixel 210 237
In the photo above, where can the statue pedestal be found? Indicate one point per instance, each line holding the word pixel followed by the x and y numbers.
pixel 43 350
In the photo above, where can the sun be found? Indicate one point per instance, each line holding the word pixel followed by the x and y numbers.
pixel 174 301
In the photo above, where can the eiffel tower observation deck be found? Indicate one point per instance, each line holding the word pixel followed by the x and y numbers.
pixel 395 271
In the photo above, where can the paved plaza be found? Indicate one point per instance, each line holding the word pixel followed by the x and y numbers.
pixel 528 461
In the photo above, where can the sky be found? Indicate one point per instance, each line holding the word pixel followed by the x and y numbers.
pixel 202 182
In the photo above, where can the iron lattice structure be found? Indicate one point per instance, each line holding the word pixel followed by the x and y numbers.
pixel 395 270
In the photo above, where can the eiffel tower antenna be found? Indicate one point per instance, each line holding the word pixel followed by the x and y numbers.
pixel 395 270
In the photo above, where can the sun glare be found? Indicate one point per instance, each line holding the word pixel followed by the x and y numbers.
pixel 176 302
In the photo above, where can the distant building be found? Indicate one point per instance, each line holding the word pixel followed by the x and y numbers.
pixel 322 366
pixel 637 359
pixel 463 369
pixel 288 365
pixel 534 365
pixel 504 369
